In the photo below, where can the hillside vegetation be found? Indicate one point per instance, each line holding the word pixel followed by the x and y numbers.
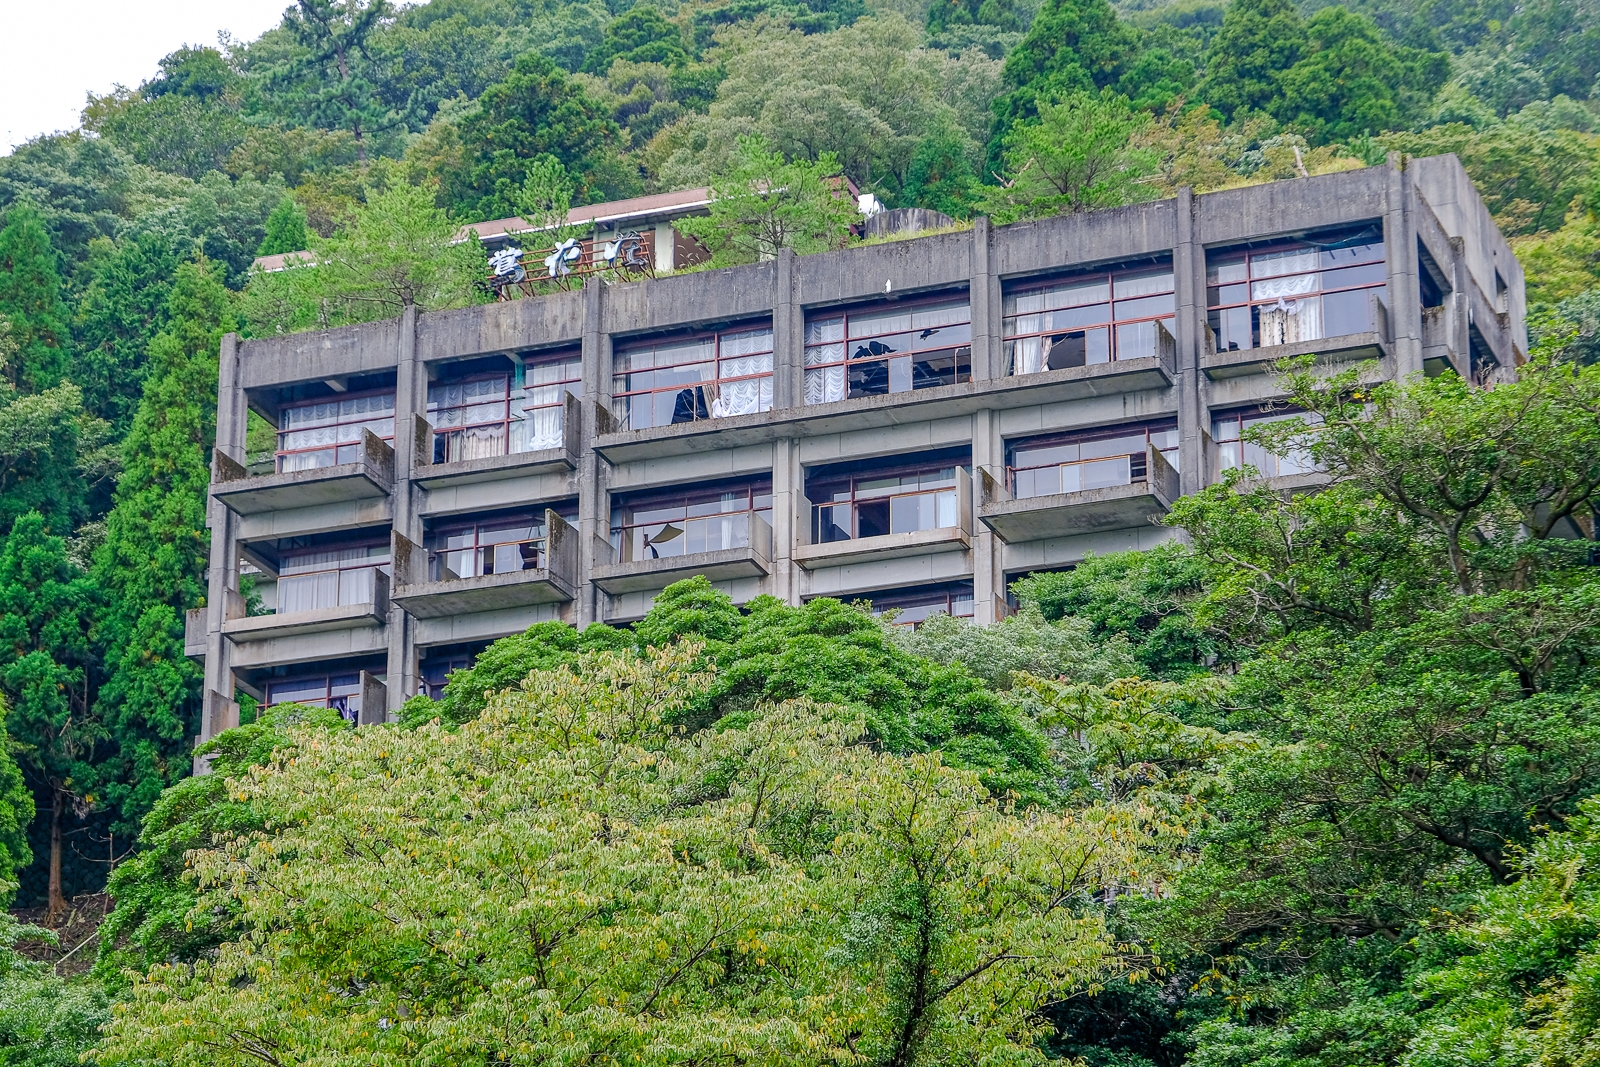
pixel 1315 788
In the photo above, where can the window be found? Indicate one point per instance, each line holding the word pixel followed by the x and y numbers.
pixel 341 692
pixel 1227 430
pixel 487 546
pixel 328 432
pixel 684 380
pixel 888 350
pixel 886 500
pixel 686 521
pixel 914 606
pixel 1087 319
pixel 438 667
pixel 329 576
pixel 1294 292
pixel 500 414
pixel 1072 463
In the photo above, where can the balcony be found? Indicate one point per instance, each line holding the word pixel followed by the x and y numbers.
pixel 746 538
pixel 556 458
pixel 1363 334
pixel 537 572
pixel 370 477
pixel 1120 497
pixel 1438 340
pixel 370 608
pixel 919 524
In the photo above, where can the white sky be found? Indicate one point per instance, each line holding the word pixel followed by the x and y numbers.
pixel 55 52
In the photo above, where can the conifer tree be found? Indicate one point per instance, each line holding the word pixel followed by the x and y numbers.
pixel 123 307
pixel 1072 46
pixel 152 564
pixel 30 299
pixel 1259 41
pixel 286 229
pixel 48 674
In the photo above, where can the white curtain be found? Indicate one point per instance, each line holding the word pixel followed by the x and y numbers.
pixel 1028 355
pixel 1290 310
pixel 541 429
pixel 825 384
pixel 748 395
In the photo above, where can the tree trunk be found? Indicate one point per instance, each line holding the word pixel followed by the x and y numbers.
pixel 57 904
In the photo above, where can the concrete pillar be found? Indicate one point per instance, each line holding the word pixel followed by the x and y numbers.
pixel 410 400
pixel 790 518
pixel 1400 257
pixel 788 339
pixel 222 576
pixel 986 307
pixel 988 577
pixel 594 518
pixel 1189 280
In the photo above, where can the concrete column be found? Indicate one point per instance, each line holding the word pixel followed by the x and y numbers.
pixel 790 518
pixel 1189 280
pixel 1400 257
pixel 593 507
pixel 986 307
pixel 410 399
pixel 788 338
pixel 222 575
pixel 988 577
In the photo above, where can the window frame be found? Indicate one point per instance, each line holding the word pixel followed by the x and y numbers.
pixel 339 398
pixel 702 406
pixel 815 370
pixel 1137 461
pixel 442 531
pixel 1219 307
pixel 630 544
pixel 825 528
pixel 1011 336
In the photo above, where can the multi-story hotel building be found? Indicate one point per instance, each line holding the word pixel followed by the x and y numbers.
pixel 914 423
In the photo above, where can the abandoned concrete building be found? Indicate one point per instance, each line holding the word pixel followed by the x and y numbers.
pixel 914 424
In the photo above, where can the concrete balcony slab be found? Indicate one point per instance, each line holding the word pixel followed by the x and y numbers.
pixel 887 546
pixel 370 477
pixel 369 613
pixel 1348 347
pixel 1117 507
pixel 487 592
pixel 552 583
pixel 646 574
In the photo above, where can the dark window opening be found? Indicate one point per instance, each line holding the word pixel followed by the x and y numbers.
pixel 899 495
pixel 688 520
pixel 1089 318
pixel 887 349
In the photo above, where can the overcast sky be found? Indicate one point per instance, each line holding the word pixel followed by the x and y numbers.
pixel 55 52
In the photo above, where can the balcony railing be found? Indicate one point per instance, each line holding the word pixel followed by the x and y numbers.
pixel 925 509
pixel 448 565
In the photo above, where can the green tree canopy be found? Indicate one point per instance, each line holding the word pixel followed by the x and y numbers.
pixel 1073 46
pixel 764 202
pixel 639 35
pixel 566 876
pixel 151 567
pixel 30 300
pixel 286 229
pixel 536 111
pixel 1259 40
pixel 120 311
pixel 48 673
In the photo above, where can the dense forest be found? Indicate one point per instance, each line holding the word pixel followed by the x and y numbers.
pixel 1313 787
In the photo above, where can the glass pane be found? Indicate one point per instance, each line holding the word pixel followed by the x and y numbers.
pixel 1143 283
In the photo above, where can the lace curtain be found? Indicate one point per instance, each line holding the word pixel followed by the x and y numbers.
pixel 824 383
pixel 748 394
pixel 1290 310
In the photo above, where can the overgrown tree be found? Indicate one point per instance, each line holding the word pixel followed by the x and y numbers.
pixel 121 310
pixel 151 567
pixel 286 229
pixel 329 80
pixel 764 202
pixel 1078 155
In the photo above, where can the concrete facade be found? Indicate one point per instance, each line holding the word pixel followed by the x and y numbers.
pixel 1450 300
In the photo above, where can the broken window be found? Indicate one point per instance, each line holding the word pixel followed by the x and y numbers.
pixel 893 349
pixel 489 545
pixel 1087 319
pixel 688 520
pixel 501 413
pixel 708 376
pixel 1292 292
